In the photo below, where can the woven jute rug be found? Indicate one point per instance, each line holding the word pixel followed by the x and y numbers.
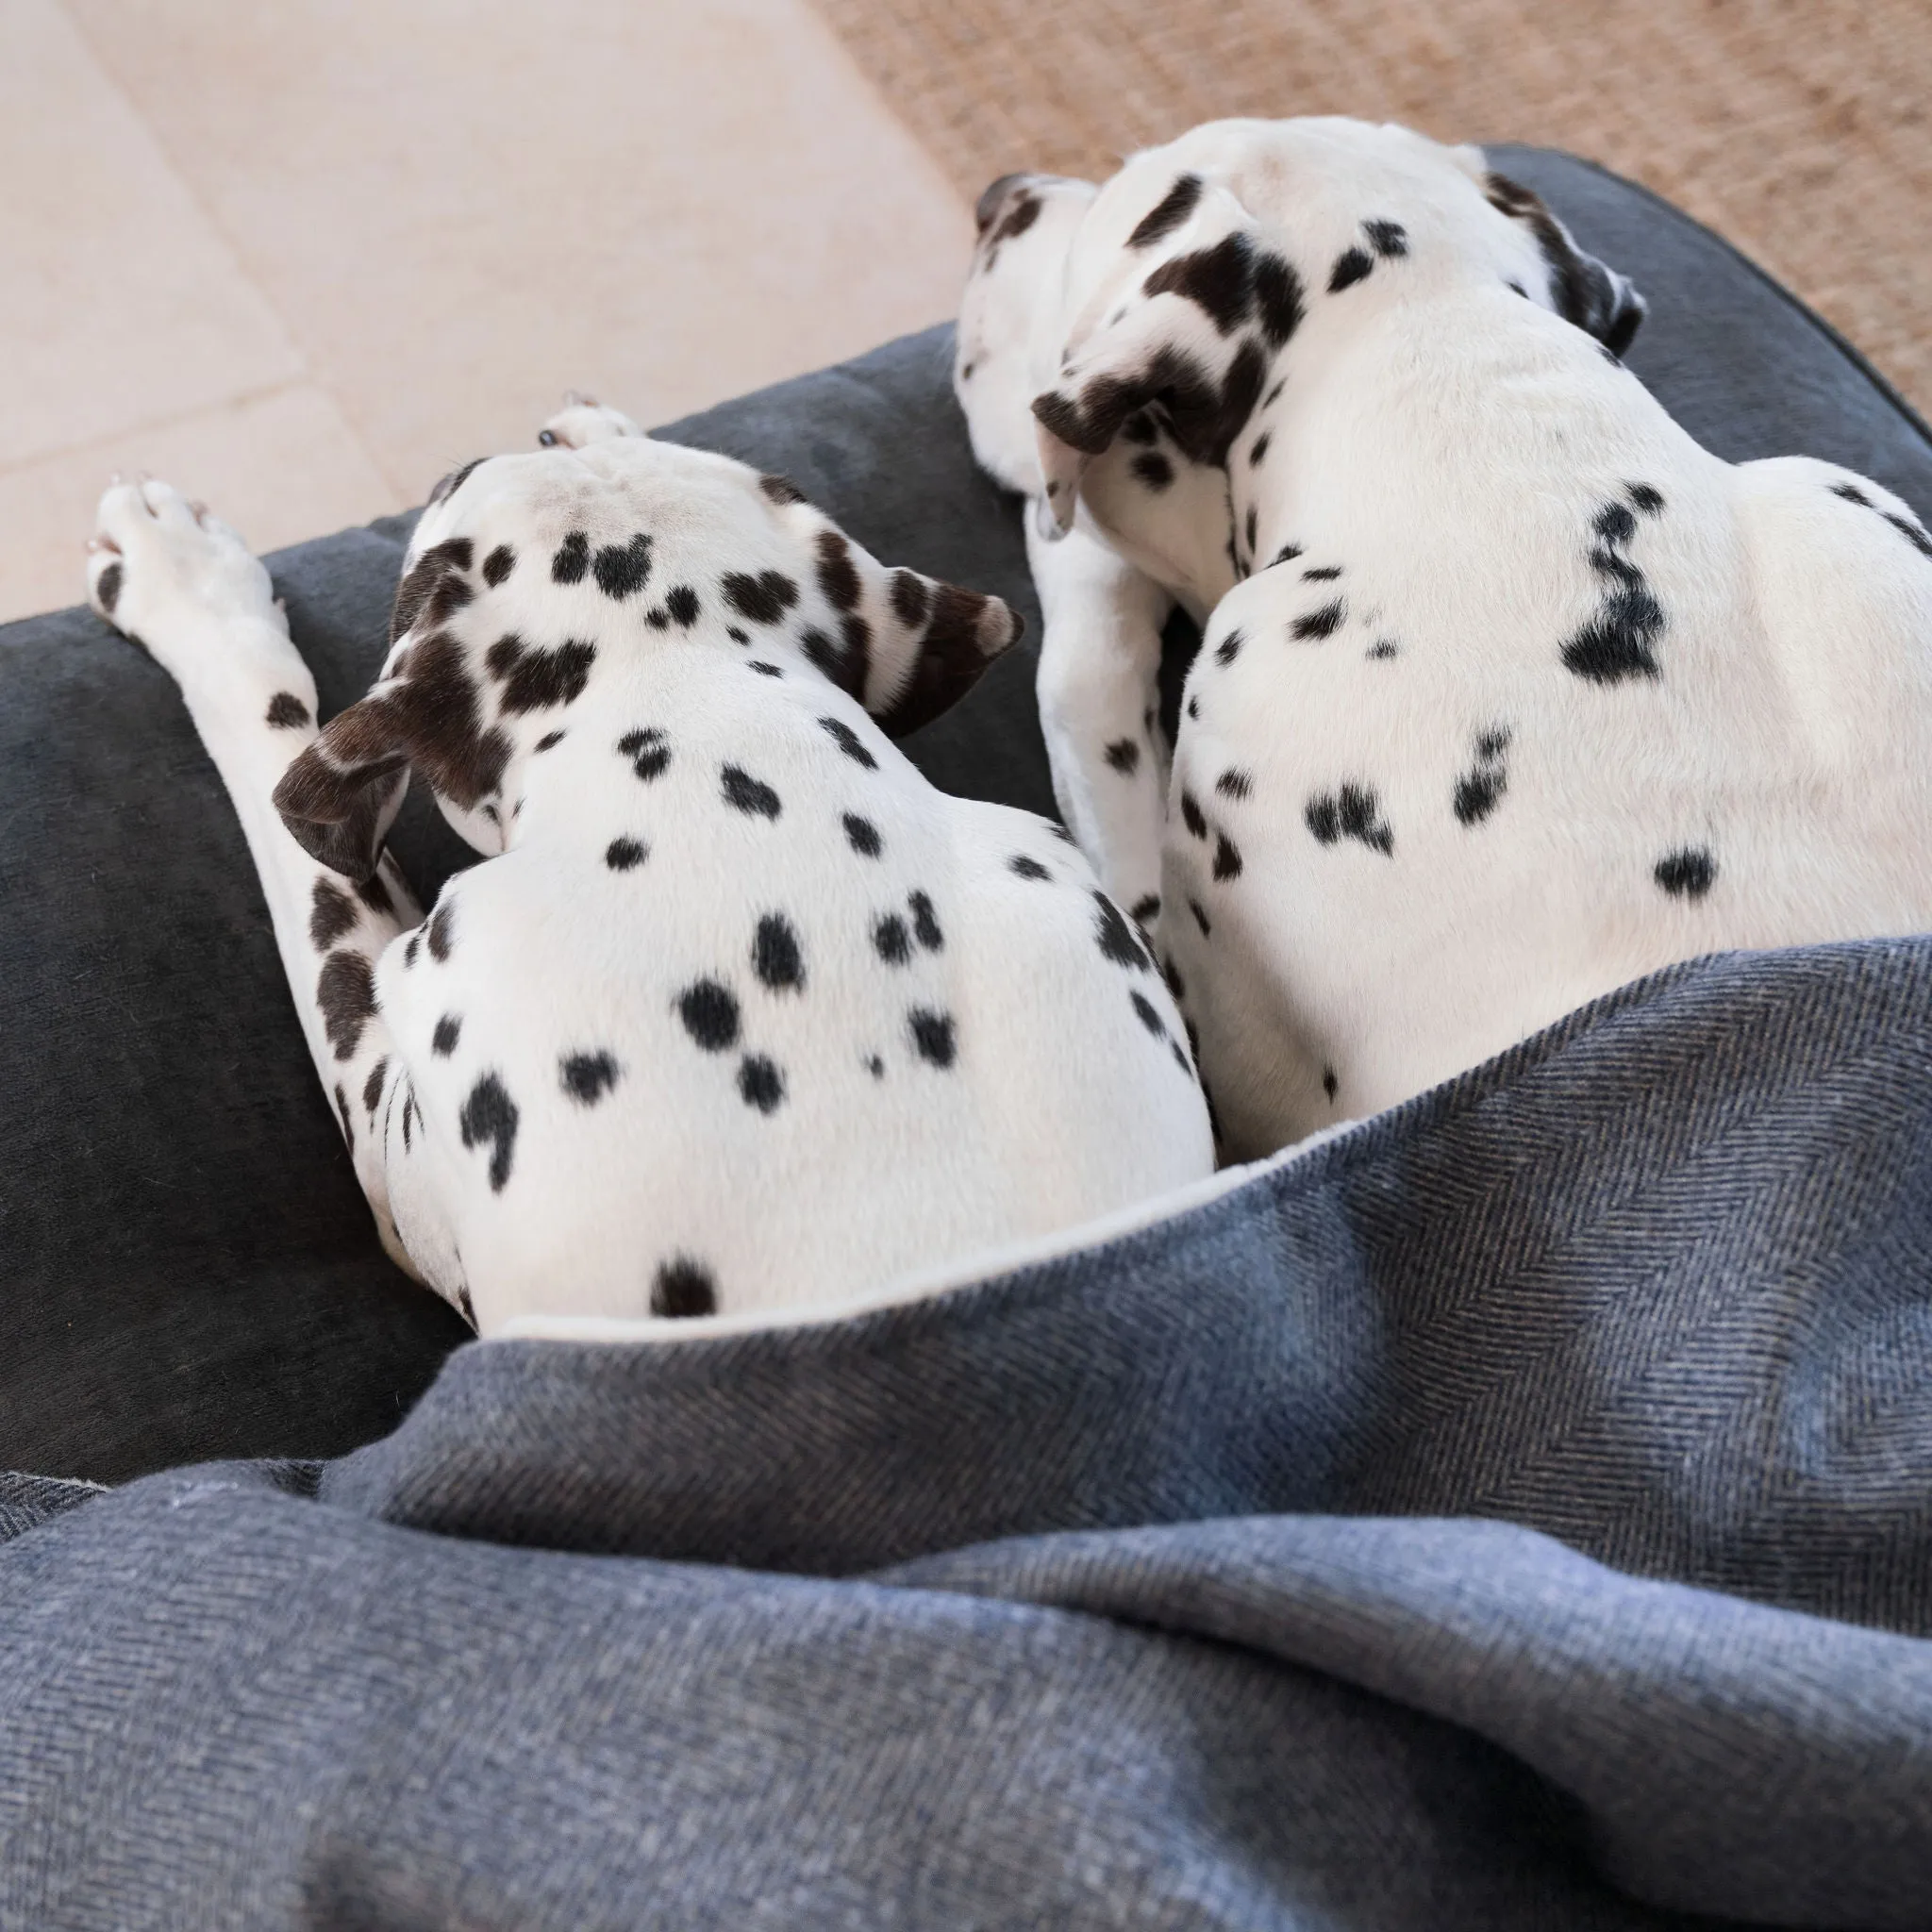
pixel 1801 130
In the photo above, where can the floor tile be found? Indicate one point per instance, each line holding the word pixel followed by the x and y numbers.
pixel 463 207
pixel 280 468
pixel 121 304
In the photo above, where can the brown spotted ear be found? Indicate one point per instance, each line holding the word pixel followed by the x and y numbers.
pixel 1582 288
pixel 1193 333
pixel 938 643
pixel 340 813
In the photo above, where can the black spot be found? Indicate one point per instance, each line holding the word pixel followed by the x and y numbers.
pixel 1277 301
pixel 449 1029
pixel 1194 707
pixel 748 794
pixel 371 1088
pixel 1227 858
pixel 107 587
pixel 374 893
pixel 1320 624
pixel 572 560
pixel 1353 811
pixel 490 1114
pixel 1388 238
pixel 1152 469
pixel 1116 937
pixel 1191 816
pixel 926 926
pixel 1233 783
pixel 837 575
pixel 1027 868
pixel 587 1076
pixel 932 1035
pixel 624 854
pixel 1123 755
pixel 683 1289
pixel 736 636
pixel 849 741
pixel 822 651
pixel 333 914
pixel 1259 450
pixel 648 750
pixel 1616 644
pixel 1181 1059
pixel 891 940
pixel 764 598
pixel 1350 268
pixel 1252 526
pixel 1911 532
pixel 1227 650
pixel 875 1067
pixel 911 597
pixel 863 835
pixel 549 740
pixel 410 951
pixel 682 603
pixel 781 489
pixel 1273 396
pixel 408 1109
pixel 348 1123
pixel 1614 525
pixel 1200 917
pixel 498 565
pixel 1172 973
pixel 1287 554
pixel 1331 1085
pixel 1326 574
pixel 1686 873
pixel 1852 493
pixel 709 1014
pixel 776 956
pixel 1478 789
pixel 535 680
pixel 1381 648
pixel 759 1083
pixel 1058 831
pixel 1220 278
pixel 1149 1015
pixel 622 569
pixel 765 670
pixel 1141 427
pixel 1646 497
pixel 454 481
pixel 346 991
pixel 287 712
pixel 1146 909
pixel 1168 213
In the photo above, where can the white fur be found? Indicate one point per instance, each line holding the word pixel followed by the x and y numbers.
pixel 1056 1103
pixel 1449 444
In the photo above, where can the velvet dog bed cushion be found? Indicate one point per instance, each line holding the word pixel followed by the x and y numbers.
pixel 189 1270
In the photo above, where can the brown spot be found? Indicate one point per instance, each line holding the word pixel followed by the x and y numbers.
pixel 287 712
pixel 440 925
pixel 838 576
pixel 346 991
pixel 333 913
pixel 781 489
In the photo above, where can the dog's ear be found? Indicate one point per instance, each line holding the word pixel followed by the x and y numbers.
pixel 1189 329
pixel 340 796
pixel 1582 288
pixel 907 646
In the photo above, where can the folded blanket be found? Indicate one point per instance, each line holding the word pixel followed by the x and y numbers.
pixel 1514 1512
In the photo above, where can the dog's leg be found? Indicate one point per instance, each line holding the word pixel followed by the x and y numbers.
pixel 1099 709
pixel 183 585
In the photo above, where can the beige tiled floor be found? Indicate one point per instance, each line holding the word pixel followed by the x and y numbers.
pixel 303 259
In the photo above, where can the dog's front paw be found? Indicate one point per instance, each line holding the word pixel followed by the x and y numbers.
pixel 582 420
pixel 162 569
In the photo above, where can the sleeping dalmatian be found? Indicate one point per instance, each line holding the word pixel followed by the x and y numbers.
pixel 1509 693
pixel 739 1015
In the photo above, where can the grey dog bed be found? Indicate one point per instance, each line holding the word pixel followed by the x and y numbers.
pixel 188 1268
pixel 1511 1513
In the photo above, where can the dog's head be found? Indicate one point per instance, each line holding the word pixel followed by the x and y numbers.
pixel 532 578
pixel 1197 268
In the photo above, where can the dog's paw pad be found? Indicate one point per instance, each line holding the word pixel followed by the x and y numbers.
pixel 584 419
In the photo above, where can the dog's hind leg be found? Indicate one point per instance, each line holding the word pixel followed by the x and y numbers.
pixel 182 584
pixel 1099 709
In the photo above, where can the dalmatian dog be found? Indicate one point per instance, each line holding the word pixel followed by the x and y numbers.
pixel 1509 693
pixel 738 1014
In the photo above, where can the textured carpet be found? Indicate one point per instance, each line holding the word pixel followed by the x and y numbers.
pixel 1800 129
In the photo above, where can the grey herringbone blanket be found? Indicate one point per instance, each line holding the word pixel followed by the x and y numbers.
pixel 1515 1513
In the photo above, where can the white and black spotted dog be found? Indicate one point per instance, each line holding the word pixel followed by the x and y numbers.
pixel 1509 691
pixel 742 1014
